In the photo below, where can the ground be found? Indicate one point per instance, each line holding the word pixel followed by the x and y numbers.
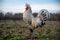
pixel 18 30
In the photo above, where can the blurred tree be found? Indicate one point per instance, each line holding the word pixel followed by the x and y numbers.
pixel 18 16
pixel 1 15
pixel 35 14
pixel 8 16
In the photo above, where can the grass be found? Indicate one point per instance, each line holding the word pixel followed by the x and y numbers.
pixel 6 26
pixel 17 31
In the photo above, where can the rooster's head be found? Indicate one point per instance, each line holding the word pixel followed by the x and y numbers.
pixel 28 7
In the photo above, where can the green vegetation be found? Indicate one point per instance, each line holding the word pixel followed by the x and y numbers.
pixel 16 31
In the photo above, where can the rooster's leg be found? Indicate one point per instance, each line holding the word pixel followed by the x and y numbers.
pixel 31 30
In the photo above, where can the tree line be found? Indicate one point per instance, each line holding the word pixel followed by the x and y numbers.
pixel 19 16
pixel 10 16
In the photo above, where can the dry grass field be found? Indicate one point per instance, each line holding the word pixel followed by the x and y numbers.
pixel 18 30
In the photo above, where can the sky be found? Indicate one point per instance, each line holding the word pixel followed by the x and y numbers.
pixel 36 5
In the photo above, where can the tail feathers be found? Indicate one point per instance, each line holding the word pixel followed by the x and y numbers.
pixel 44 13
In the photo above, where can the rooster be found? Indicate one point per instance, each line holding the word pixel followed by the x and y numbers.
pixel 31 20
